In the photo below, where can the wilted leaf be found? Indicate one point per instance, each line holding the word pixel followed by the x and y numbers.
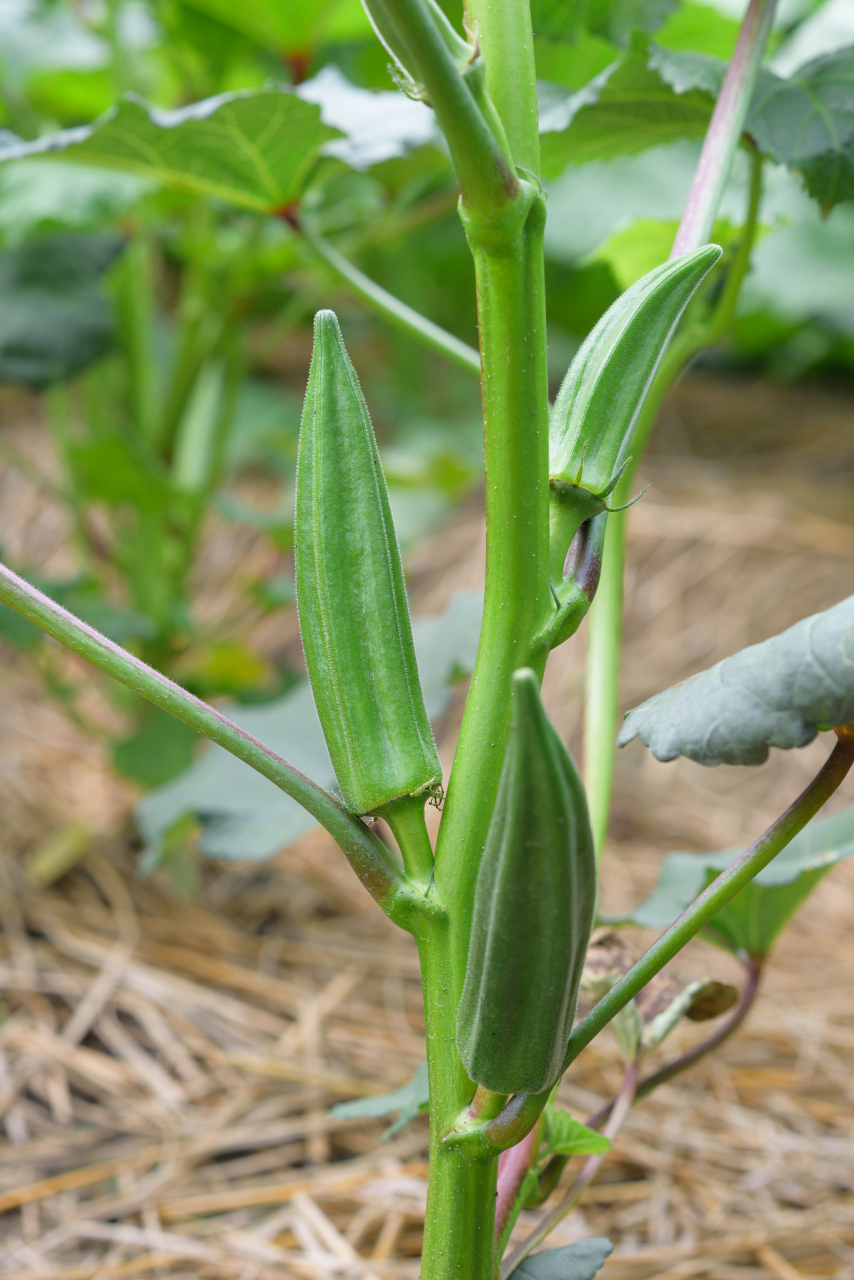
pixel 710 999
pixel 578 1261
pixel 565 1136
pixel 774 694
pixel 245 816
pixel 410 1100
pixel 54 320
pixel 754 918
pixel 252 149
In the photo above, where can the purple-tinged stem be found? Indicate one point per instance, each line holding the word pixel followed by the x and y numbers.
pixel 725 129
pixel 513 1164
pixel 592 1165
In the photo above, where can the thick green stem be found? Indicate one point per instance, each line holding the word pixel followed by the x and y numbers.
pixel 509 269
pixel 737 875
pixel 392 309
pixel 366 853
pixel 506 41
pixel 459 1223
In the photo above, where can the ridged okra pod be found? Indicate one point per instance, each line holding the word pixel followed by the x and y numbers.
pixel 533 911
pixel 353 612
pixel 596 409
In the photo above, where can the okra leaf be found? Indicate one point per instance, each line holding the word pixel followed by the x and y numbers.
pixel 289 26
pixel 565 1136
pixel 755 917
pixel 252 149
pixel 627 108
pixel 377 125
pixel 54 319
pixel 807 123
pixel 578 1261
pixel 410 1100
pixel 564 20
pixel 773 694
pixel 243 815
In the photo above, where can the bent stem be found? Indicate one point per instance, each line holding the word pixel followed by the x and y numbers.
pixel 739 873
pixel 366 854
pixel 619 1114
pixel 385 304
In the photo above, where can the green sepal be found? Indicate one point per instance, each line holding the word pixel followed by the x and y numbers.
pixel 351 598
pixel 533 911
pixel 604 391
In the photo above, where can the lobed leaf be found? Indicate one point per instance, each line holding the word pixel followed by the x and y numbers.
pixel 578 1261
pixel 755 917
pixel 252 149
pixel 774 694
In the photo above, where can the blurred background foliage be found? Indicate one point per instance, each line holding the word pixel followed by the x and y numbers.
pixel 168 335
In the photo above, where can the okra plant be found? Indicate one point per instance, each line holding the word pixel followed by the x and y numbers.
pixel 503 907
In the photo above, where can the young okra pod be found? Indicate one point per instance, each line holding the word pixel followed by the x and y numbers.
pixel 533 911
pixel 604 390
pixel 351 598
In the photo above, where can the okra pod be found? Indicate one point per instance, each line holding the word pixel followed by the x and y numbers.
pixel 533 911
pixel 351 598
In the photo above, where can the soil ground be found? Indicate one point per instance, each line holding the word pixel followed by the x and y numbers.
pixel 167 1065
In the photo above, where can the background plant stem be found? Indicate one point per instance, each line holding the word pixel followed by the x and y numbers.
pixel 392 309
pixel 619 1114
pixel 725 129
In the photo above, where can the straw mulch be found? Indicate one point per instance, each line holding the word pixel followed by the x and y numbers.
pixel 167 1064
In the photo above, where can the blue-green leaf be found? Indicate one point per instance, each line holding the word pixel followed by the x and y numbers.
pixel 755 917
pixel 774 694
pixel 578 1261
pixel 411 1099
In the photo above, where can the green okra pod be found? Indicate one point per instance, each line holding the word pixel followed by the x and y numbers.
pixel 594 416
pixel 533 911
pixel 351 598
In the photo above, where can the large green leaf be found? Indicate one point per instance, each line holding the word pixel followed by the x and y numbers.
pixel 628 107
pixel 807 123
pixel 254 150
pixel 774 694
pixel 564 20
pixel 246 817
pixel 289 26
pixel 54 319
pixel 578 1261
pixel 754 918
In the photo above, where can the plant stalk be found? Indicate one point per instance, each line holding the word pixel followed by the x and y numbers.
pixel 725 129
pixel 619 1114
pixel 602 680
pixel 390 308
pixel 367 854
pixel 725 886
